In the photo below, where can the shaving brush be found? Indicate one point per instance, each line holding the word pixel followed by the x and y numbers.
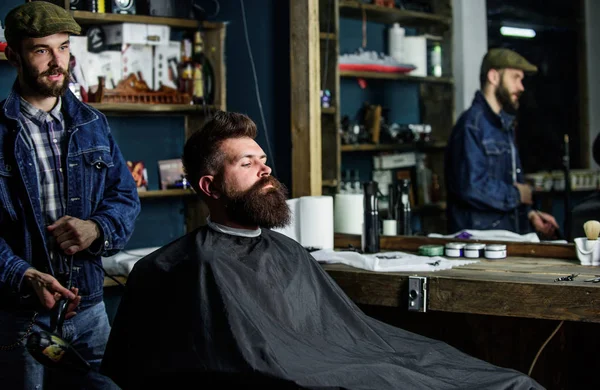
pixel 592 230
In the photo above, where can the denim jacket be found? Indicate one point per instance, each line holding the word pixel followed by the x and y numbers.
pixel 99 187
pixel 481 166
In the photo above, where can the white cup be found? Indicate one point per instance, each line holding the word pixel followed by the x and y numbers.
pixel 590 244
pixel 390 227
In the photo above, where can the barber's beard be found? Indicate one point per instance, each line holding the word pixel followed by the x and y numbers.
pixel 259 206
pixel 37 82
pixel 503 96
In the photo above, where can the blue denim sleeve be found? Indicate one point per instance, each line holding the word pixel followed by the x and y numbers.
pixel 469 174
pixel 119 208
pixel 12 267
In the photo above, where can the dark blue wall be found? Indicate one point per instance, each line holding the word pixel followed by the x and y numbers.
pixel 268 31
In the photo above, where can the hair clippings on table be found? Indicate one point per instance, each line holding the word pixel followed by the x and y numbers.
pixel 435 263
pixel 351 249
pixel 568 278
pixel 312 248
pixel 594 280
pixel 388 257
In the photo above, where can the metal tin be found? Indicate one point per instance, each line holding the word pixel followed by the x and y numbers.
pixel 455 249
pixel 431 250
pixel 474 250
pixel 495 251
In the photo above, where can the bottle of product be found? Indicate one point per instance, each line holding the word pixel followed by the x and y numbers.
pixel 436 194
pixel 436 60
pixel 392 200
pixel 370 235
pixel 396 42
pixel 356 183
pixel 403 211
pixel 348 183
pixel 185 69
pixel 197 64
pixel 423 180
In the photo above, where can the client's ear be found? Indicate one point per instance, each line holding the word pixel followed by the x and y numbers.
pixel 207 186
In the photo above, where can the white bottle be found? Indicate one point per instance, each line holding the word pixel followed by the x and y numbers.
pixel 396 42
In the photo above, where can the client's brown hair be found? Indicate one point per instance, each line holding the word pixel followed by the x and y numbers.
pixel 202 151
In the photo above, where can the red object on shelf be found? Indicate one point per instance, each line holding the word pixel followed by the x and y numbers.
pixel 376 68
pixel 3 46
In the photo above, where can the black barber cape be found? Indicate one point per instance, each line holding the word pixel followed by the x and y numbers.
pixel 210 309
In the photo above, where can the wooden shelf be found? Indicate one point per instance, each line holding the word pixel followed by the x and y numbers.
pixel 396 76
pixel 439 145
pixel 328 110
pixel 130 108
pixel 88 18
pixel 329 183
pixel 330 36
pixel 2 56
pixel 353 9
pixel 165 194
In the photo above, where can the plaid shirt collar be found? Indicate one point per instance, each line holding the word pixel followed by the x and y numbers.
pixel 38 116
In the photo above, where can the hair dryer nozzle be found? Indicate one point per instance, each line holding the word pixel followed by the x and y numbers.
pixel 53 352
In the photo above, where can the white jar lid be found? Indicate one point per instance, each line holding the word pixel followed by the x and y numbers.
pixel 495 247
pixel 475 246
pixel 455 245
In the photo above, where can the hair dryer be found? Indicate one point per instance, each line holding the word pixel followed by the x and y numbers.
pixel 49 349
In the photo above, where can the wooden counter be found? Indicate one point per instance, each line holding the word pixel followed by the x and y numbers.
pixel 518 286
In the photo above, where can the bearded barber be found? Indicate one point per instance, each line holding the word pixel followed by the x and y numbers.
pixel 66 199
pixel 484 178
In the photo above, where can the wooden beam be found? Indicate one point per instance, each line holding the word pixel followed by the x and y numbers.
pixel 305 98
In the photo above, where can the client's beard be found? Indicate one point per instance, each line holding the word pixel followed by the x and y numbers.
pixel 258 206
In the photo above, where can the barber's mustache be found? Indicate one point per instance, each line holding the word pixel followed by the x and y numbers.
pixel 55 70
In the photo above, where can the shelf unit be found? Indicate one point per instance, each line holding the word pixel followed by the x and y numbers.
pixel 214 48
pixel 396 76
pixel 162 109
pixel 374 13
pixel 436 94
pixel 2 56
pixel 428 147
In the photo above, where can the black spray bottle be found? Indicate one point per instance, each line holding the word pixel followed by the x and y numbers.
pixel 403 211
pixel 370 236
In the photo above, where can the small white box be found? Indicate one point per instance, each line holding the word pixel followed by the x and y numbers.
pixel 137 59
pixel 166 60
pixel 392 161
pixel 136 33
pixel 415 53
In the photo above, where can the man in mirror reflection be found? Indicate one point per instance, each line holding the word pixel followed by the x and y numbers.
pixel 484 177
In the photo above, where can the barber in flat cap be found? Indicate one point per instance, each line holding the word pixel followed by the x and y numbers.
pixel 66 199
pixel 483 177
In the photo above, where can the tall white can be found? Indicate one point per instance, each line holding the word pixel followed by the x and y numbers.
pixel 396 42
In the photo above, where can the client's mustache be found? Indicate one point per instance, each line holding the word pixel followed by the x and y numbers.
pixel 267 180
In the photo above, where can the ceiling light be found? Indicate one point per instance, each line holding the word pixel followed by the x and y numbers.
pixel 517 32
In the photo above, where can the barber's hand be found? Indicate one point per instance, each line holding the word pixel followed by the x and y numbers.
pixel 74 235
pixel 525 192
pixel 543 223
pixel 50 291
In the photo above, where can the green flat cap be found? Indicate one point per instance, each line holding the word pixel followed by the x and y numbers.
pixel 505 58
pixel 38 19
